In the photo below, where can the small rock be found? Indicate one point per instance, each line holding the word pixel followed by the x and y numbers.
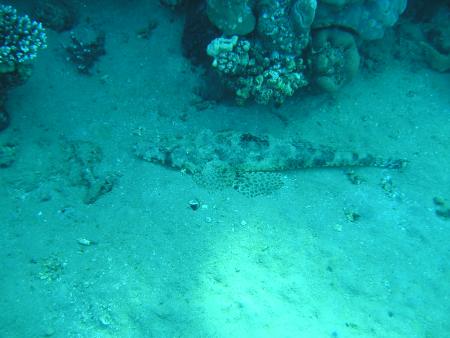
pixel 194 204
pixel 442 207
pixel 351 215
pixel 85 242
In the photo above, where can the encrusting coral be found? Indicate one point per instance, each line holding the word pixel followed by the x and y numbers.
pixel 250 72
pixel 285 25
pixel 335 58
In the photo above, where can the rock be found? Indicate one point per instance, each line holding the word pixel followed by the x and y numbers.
pixel 58 15
pixel 442 207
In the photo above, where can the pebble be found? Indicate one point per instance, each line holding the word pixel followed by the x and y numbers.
pixel 84 241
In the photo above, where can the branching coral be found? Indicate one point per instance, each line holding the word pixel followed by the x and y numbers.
pixel 20 39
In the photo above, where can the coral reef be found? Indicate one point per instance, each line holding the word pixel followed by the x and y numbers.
pixel 335 58
pixel 285 25
pixel 249 71
pixel 20 40
pixel 263 49
pixel 267 67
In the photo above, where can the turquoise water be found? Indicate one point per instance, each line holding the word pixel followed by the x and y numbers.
pixel 99 240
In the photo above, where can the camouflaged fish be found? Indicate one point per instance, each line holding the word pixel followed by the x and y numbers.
pixel 246 152
pixel 250 164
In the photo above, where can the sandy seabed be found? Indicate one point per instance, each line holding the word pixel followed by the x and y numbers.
pixel 296 263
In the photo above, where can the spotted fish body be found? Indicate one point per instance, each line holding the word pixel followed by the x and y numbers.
pixel 310 156
pixel 245 152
